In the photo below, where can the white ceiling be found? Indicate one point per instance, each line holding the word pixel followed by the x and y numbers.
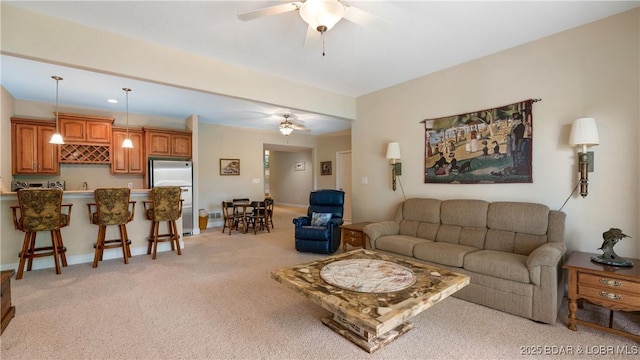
pixel 425 36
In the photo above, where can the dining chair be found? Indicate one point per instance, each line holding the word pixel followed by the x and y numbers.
pixel 165 205
pixel 268 204
pixel 258 218
pixel 230 218
pixel 112 207
pixel 41 210
pixel 240 212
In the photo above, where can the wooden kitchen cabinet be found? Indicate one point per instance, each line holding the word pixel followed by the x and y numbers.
pixel 167 143
pixel 31 153
pixel 127 161
pixel 76 128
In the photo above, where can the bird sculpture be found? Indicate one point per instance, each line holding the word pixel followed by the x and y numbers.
pixel 609 257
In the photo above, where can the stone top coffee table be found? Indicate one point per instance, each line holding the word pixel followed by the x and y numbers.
pixel 371 295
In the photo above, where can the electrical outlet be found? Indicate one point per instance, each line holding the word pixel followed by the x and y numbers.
pixel 130 185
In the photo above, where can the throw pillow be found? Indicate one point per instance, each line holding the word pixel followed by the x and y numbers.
pixel 320 219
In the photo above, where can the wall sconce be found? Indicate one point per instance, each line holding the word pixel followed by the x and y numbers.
pixel 584 133
pixel 393 154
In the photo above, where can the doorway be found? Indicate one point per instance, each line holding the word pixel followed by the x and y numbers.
pixel 343 180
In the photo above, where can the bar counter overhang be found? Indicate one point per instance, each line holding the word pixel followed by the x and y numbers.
pixel 80 235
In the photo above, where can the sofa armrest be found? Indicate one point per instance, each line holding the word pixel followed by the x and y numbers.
pixel 549 254
pixel 376 230
pixel 302 221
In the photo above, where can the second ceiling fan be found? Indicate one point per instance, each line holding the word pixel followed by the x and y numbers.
pixel 287 127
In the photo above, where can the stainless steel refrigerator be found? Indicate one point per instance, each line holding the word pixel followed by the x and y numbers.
pixel 175 173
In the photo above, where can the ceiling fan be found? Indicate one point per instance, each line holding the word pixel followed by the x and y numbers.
pixel 287 127
pixel 321 15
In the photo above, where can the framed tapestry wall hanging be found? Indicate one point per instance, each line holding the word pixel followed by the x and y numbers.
pixel 482 147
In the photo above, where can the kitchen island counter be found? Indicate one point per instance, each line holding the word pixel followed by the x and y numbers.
pixel 80 235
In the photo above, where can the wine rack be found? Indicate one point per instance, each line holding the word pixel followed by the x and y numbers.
pixel 85 154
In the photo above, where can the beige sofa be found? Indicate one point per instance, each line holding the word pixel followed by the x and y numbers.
pixel 512 251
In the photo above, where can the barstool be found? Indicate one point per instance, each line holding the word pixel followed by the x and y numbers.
pixel 165 205
pixel 112 207
pixel 41 210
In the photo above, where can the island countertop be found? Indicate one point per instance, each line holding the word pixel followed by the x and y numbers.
pixel 80 235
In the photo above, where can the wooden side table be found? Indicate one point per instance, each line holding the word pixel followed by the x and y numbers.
pixel 8 311
pixel 614 288
pixel 353 235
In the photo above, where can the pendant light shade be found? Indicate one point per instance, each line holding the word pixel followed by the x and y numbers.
pixel 56 138
pixel 127 143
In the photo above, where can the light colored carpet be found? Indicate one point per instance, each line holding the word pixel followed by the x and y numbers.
pixel 218 301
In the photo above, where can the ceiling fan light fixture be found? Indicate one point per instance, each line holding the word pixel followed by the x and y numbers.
pixel 286 128
pixel 322 15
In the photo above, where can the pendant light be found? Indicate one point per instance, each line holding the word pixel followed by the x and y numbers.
pixel 127 142
pixel 56 138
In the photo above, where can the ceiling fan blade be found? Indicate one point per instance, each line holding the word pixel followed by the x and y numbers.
pixel 300 128
pixel 365 19
pixel 312 40
pixel 269 11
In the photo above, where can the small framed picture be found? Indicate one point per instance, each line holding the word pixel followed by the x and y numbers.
pixel 229 166
pixel 325 167
pixel 300 166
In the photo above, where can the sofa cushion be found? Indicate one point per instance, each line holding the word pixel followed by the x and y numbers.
pixel 464 213
pixel 442 253
pixel 472 236
pixel 499 264
pixel 449 234
pixel 427 210
pixel 408 227
pixel 528 218
pixel 499 240
pixel 427 230
pixel 524 244
pixel 399 244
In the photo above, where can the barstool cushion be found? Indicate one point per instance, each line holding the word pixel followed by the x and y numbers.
pixel 166 203
pixel 113 206
pixel 40 209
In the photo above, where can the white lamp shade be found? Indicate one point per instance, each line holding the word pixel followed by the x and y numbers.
pixel 393 151
pixel 321 13
pixel 56 139
pixel 127 143
pixel 584 132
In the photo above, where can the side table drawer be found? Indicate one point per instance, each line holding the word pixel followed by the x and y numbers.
pixel 608 282
pixel 355 235
pixel 613 297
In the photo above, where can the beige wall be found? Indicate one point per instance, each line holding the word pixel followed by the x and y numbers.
pixel 288 185
pixel 7 109
pixel 216 141
pixel 328 146
pixel 589 71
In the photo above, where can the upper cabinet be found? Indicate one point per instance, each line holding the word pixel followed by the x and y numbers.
pixel 31 153
pixel 87 139
pixel 76 128
pixel 127 161
pixel 167 143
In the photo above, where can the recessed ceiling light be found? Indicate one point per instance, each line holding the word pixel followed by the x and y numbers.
pixel 113 101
